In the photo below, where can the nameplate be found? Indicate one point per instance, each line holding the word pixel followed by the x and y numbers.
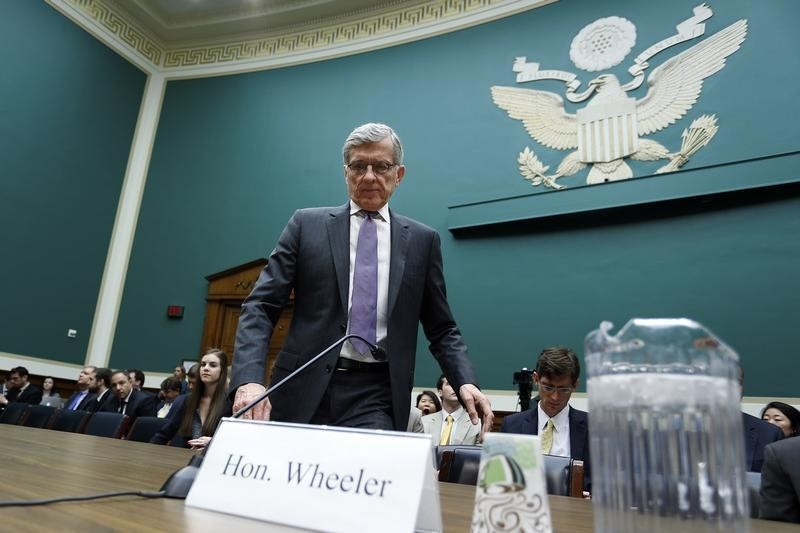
pixel 512 491
pixel 319 477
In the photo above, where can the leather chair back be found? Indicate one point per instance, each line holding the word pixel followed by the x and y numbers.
pixel 39 416
pixel 144 427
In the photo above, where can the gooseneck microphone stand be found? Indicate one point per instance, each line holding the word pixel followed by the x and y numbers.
pixel 179 483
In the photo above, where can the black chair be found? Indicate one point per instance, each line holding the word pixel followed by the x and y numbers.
pixel 39 416
pixel 14 413
pixel 460 464
pixel 106 424
pixel 71 421
pixel 754 490
pixel 563 475
pixel 145 427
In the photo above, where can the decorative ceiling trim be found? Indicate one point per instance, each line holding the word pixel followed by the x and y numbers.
pixel 331 38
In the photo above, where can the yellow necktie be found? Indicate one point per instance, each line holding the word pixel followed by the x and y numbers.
pixel 448 429
pixel 547 437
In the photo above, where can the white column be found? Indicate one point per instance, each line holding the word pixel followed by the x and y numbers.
pixel 119 250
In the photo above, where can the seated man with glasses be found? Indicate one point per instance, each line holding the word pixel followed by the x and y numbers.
pixel 563 430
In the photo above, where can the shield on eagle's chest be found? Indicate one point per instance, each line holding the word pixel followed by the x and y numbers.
pixel 607 130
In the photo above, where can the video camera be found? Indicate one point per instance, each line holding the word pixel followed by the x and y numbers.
pixel 524 382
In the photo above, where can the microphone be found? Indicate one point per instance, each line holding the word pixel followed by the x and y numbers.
pixel 179 483
pixel 378 353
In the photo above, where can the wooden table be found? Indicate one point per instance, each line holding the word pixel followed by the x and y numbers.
pixel 40 463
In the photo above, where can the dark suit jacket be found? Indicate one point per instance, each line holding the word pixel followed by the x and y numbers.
pixel 102 403
pixel 139 404
pixel 527 423
pixel 780 481
pixel 32 395
pixel 169 433
pixel 84 404
pixel 312 257
pixel 757 434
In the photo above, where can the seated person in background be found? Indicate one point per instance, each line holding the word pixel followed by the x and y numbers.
pixel 170 389
pixel 20 390
pixel 451 425
pixel 780 482
pixel 137 378
pixel 179 373
pixel 81 398
pixel 428 402
pixel 415 421
pixel 191 377
pixel 563 430
pixel 783 415
pixel 757 434
pixel 49 393
pixel 100 387
pixel 129 401
pixel 194 417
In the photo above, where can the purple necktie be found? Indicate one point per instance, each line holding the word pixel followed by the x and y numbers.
pixel 364 309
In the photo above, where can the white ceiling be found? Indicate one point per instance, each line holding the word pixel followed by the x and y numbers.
pixel 176 22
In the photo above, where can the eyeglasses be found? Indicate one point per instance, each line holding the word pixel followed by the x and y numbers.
pixel 381 168
pixel 550 389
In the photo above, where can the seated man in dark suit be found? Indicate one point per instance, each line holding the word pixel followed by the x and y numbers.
pixel 20 390
pixel 757 434
pixel 780 481
pixel 82 397
pixel 564 431
pixel 129 401
pixel 100 387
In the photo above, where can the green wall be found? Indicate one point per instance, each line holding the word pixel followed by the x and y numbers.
pixel 68 108
pixel 234 156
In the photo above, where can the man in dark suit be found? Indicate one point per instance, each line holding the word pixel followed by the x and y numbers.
pixel 127 400
pixel 563 430
pixel 780 481
pixel 380 283
pixel 20 390
pixel 82 397
pixel 100 387
pixel 757 434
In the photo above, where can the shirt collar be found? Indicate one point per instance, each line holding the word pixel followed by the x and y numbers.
pixel 455 414
pixel 383 211
pixel 560 421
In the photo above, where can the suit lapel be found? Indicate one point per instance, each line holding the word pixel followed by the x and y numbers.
pixel 750 446
pixel 531 425
pixel 399 252
pixel 577 434
pixel 338 224
pixel 463 424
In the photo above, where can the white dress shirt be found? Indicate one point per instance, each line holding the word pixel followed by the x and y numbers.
pixel 560 430
pixel 384 257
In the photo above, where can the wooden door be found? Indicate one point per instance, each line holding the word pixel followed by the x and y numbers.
pixel 226 292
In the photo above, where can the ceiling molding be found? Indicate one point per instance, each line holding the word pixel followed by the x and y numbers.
pixel 390 24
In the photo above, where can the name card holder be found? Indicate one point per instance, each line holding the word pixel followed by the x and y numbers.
pixel 320 477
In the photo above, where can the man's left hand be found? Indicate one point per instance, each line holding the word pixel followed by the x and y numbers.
pixel 478 407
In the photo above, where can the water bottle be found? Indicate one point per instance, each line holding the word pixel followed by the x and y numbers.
pixel 667 444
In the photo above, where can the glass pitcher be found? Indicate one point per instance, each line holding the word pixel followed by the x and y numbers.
pixel 667 444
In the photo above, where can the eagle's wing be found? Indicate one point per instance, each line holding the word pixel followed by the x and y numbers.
pixel 675 85
pixel 542 113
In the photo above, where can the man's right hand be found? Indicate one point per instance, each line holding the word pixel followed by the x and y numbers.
pixel 246 394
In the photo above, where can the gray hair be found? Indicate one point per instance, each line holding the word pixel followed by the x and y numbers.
pixel 372 133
